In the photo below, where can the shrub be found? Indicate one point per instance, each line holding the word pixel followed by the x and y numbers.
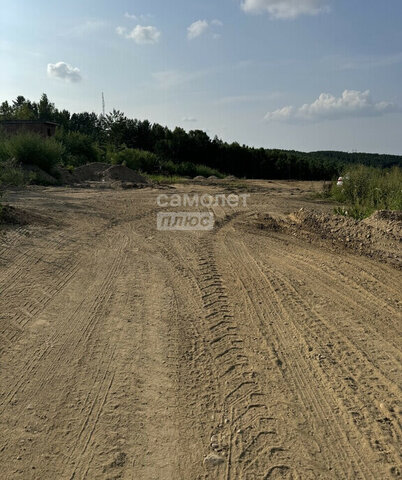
pixel 207 171
pixel 30 148
pixel 11 174
pixel 188 169
pixel 135 159
pixel 79 149
pixel 169 168
pixel 4 154
pixel 366 189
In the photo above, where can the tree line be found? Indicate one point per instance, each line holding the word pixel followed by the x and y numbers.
pixel 90 137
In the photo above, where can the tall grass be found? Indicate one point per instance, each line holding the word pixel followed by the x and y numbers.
pixel 11 174
pixel 366 189
pixel 30 148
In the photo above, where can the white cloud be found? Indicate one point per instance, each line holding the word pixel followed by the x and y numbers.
pixel 285 9
pixel 121 31
pixel 138 18
pixel 197 28
pixel 189 119
pixel 351 103
pixel 281 115
pixel 64 71
pixel 141 35
pixel 129 15
pixel 217 23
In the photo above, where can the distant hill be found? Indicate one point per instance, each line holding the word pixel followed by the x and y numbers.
pixel 369 159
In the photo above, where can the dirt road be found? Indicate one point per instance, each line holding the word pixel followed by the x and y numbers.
pixel 244 353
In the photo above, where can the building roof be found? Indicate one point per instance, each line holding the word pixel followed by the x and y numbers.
pixel 27 122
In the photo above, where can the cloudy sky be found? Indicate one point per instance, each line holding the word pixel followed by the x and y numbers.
pixel 296 74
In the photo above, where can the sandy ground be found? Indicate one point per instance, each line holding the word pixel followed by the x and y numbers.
pixel 242 353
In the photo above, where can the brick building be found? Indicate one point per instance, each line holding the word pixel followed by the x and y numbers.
pixel 43 128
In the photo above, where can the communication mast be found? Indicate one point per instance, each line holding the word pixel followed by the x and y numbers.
pixel 103 104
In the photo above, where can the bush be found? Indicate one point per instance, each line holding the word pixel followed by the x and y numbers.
pixel 149 162
pixel 30 148
pixel 169 168
pixel 188 169
pixel 366 189
pixel 11 174
pixel 4 155
pixel 135 159
pixel 79 149
pixel 207 171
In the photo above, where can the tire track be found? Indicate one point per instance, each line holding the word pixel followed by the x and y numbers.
pixel 248 434
pixel 291 306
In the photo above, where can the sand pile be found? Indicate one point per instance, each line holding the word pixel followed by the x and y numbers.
pixel 123 174
pixel 10 215
pixel 64 176
pixel 90 172
pixel 114 175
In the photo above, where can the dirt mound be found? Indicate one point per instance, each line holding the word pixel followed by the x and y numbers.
pixel 38 176
pixel 123 174
pixel 379 236
pixel 90 172
pixel 376 236
pixel 64 176
pixel 390 215
pixel 387 221
pixel 267 222
pixel 112 176
pixel 16 216
pixel 199 178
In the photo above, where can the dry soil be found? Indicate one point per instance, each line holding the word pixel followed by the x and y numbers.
pixel 260 350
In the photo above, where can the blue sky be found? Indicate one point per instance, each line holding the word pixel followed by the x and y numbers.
pixel 296 74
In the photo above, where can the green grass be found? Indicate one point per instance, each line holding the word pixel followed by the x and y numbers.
pixel 11 174
pixel 166 179
pixel 367 189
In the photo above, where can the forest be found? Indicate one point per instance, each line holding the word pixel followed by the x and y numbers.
pixel 88 137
